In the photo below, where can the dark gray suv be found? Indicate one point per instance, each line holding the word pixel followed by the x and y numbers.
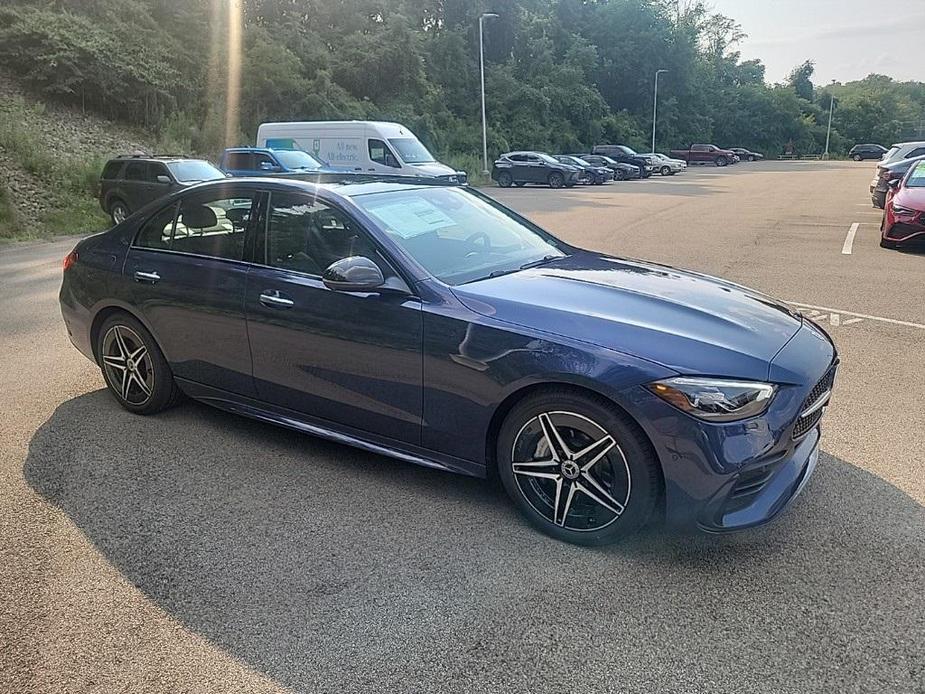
pixel 128 183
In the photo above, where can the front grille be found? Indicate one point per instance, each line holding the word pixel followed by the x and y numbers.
pixel 806 423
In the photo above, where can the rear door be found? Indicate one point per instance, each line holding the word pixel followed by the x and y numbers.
pixel 135 184
pixel 186 275
pixel 353 359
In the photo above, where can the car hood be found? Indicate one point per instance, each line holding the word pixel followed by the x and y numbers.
pixel 913 198
pixel 685 321
pixel 433 168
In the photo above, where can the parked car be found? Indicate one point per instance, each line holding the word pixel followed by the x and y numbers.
pixel 626 155
pixel 589 173
pixel 262 161
pixel 868 151
pixel 356 145
pixel 128 183
pixel 746 154
pixel 519 168
pixel 621 171
pixel 430 323
pixel 880 185
pixel 904 150
pixel 705 154
pixel 666 166
pixel 904 212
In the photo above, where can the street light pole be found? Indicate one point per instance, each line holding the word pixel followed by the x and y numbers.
pixel 655 106
pixel 482 17
pixel 828 132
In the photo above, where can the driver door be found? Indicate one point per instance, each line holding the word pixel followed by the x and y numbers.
pixel 352 359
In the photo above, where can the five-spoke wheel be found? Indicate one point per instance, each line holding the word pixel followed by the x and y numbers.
pixel 133 366
pixel 577 468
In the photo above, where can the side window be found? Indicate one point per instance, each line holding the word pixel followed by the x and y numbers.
pixel 242 161
pixel 517 157
pixel 917 152
pixel 213 225
pixel 157 231
pixel 155 169
pixel 135 171
pixel 380 153
pixel 111 170
pixel 698 148
pixel 533 159
pixel 306 235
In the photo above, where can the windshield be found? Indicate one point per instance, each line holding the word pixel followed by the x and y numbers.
pixel 297 159
pixel 457 235
pixel 547 158
pixel 411 150
pixel 626 150
pixel 916 177
pixel 194 170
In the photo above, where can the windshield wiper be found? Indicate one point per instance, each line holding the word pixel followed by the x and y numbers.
pixel 542 261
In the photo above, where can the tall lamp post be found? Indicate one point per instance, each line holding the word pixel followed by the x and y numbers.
pixel 482 18
pixel 828 131
pixel 655 105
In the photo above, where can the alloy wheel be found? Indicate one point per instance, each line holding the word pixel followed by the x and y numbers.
pixel 571 471
pixel 127 365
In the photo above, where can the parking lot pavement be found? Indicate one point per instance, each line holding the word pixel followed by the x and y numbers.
pixel 198 551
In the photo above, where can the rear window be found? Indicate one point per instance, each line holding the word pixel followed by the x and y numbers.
pixel 240 161
pixel 111 170
pixel 893 150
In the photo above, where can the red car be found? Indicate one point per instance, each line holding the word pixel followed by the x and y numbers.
pixel 904 212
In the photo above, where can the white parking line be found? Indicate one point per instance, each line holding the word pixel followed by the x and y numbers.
pixel 894 321
pixel 849 239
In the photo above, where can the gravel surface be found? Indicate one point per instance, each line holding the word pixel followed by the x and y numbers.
pixel 199 551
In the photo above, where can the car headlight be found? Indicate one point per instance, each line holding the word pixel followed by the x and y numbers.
pixel 899 209
pixel 713 399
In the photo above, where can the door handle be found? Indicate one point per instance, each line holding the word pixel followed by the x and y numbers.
pixel 272 299
pixel 150 277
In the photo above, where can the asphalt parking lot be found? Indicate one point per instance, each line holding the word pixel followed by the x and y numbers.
pixel 198 551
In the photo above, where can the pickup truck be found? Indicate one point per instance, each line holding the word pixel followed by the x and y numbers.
pixel 704 154
pixel 263 161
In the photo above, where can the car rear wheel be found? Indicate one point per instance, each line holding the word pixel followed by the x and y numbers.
pixel 133 366
pixel 857 157
pixel 751 157
pixel 505 179
pixel 577 468
pixel 118 210
pixel 721 161
pixel 555 180
pixel 665 171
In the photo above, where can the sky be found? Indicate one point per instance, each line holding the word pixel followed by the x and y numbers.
pixel 848 39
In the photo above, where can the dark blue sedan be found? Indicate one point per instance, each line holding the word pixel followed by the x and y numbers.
pixel 432 324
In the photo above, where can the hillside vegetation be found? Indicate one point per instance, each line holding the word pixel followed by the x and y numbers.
pixel 561 75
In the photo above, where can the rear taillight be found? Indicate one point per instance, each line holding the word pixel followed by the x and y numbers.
pixel 69 260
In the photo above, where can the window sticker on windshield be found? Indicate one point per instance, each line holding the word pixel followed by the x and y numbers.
pixel 411 218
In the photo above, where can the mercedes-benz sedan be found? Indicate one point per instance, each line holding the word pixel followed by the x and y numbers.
pixel 432 324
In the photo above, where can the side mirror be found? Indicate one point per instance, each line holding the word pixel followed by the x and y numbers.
pixel 894 183
pixel 353 274
pixel 165 180
pixel 268 166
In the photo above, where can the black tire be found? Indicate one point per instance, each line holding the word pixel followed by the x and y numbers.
pixel 555 180
pixel 721 161
pixel 628 473
pixel 118 211
pixel 665 171
pixel 505 179
pixel 151 387
pixel 751 157
pixel 857 157
pixel 619 175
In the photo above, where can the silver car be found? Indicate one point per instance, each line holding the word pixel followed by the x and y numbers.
pixel 666 166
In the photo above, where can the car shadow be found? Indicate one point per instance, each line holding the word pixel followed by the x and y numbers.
pixel 329 568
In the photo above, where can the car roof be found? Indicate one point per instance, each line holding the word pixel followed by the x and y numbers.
pixel 337 183
pixel 156 157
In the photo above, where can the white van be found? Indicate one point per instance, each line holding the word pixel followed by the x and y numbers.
pixel 358 145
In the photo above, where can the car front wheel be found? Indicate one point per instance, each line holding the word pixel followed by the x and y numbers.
pixel 721 161
pixel 133 366
pixel 556 180
pixel 577 468
pixel 666 171
pixel 857 157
